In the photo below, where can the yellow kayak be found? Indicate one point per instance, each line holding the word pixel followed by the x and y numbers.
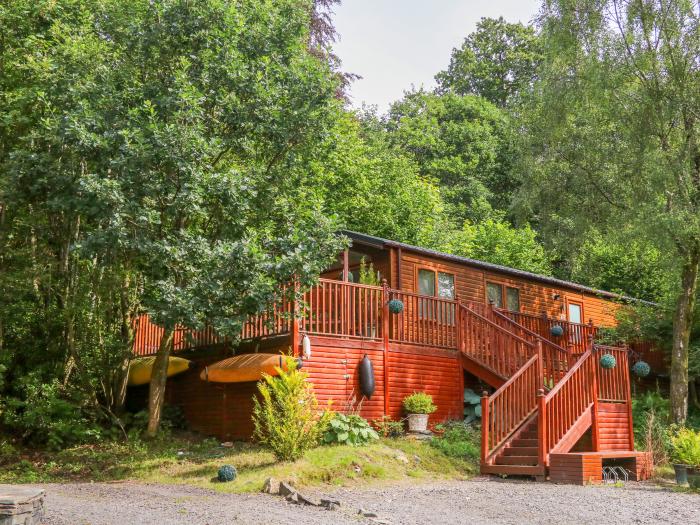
pixel 245 367
pixel 141 368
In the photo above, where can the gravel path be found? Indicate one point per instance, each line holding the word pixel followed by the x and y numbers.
pixel 477 501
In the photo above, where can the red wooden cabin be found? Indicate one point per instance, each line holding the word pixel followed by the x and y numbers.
pixel 549 408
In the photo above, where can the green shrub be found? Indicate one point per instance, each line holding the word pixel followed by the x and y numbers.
pixel 457 440
pixel 686 447
pixel 651 430
pixel 286 417
pixel 419 403
pixel 349 430
pixel 388 428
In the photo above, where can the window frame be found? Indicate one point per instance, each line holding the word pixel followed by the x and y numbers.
pixel 504 294
pixel 436 286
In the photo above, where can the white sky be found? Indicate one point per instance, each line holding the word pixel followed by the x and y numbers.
pixel 394 44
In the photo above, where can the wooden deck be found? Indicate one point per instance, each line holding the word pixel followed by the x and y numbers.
pixel 586 468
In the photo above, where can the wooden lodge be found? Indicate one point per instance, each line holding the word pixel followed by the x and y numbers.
pixel 549 409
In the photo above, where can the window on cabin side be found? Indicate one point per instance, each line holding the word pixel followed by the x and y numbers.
pixel 513 299
pixel 494 294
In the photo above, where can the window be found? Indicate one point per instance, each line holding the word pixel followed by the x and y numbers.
pixel 435 284
pixel 512 299
pixel 575 313
pixel 496 292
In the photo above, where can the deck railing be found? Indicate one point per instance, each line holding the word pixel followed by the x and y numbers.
pixel 148 335
pixel 555 359
pixel 507 409
pixel 575 337
pixel 343 309
pixel 613 383
pixel 430 321
pixel 565 403
pixel 492 345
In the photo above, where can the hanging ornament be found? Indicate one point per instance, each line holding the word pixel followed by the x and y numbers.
pixel 306 347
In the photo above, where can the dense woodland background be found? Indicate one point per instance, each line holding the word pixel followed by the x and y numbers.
pixel 185 158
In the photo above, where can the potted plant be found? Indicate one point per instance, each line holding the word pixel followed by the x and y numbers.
pixel 418 406
pixel 686 457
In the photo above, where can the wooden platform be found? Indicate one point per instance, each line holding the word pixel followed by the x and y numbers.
pixel 584 468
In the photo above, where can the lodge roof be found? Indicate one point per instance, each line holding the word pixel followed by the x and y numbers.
pixel 379 242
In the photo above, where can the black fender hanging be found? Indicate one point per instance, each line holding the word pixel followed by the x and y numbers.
pixel 366 377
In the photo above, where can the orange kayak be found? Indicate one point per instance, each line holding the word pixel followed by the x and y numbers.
pixel 245 367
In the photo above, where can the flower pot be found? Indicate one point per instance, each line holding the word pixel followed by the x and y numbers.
pixel 694 477
pixel 681 473
pixel 417 422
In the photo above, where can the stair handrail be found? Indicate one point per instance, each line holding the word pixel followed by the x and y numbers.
pixel 518 396
pixel 556 360
pixel 485 343
pixel 569 402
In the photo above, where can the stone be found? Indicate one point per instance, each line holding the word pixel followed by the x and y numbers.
pixel 21 505
pixel 271 486
pixel 285 489
pixel 330 504
pixel 227 444
pixel 402 458
pixel 292 498
pixel 307 499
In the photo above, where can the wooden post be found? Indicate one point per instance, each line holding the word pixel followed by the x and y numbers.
pixel 458 324
pixel 385 336
pixel 540 364
pixel 295 321
pixel 541 428
pixel 595 424
pixel 346 265
pixel 628 391
pixel 484 426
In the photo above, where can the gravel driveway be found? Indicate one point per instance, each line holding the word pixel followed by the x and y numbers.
pixel 477 501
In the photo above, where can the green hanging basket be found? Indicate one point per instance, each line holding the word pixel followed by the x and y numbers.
pixel 641 369
pixel 227 473
pixel 396 306
pixel 608 361
pixel 556 330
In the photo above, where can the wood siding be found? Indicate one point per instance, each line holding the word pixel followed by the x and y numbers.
pixel 535 298
pixel 614 426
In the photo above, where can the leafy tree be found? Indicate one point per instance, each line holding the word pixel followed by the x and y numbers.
pixel 498 61
pixel 463 142
pixel 498 242
pixel 617 137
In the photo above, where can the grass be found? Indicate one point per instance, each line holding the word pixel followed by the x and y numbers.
pixel 195 461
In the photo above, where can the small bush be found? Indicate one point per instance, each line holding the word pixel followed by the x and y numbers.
pixel 286 416
pixel 652 433
pixel 686 447
pixel 419 403
pixel 349 430
pixel 388 428
pixel 457 440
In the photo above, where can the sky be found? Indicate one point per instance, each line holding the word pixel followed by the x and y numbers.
pixel 396 44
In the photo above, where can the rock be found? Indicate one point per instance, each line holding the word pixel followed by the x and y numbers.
pixel 271 486
pixel 416 458
pixel 402 458
pixel 286 489
pixel 330 504
pixel 292 498
pixel 21 505
pixel 308 500
pixel 227 444
pixel 368 514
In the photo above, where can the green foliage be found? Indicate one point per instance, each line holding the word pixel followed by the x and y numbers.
pixel 388 428
pixel 686 447
pixel 285 415
pixel 641 369
pixel 496 241
pixel 650 414
pixel 498 62
pixel 226 473
pixel 419 403
pixel 349 430
pixel 457 440
pixel 463 142
pixel 367 274
pixel 396 306
pixel 607 361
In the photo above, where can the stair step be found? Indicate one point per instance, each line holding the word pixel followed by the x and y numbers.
pixel 520 442
pixel 520 451
pixel 516 460
pixel 515 470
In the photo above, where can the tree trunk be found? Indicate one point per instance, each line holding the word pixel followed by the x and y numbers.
pixel 159 377
pixel 682 322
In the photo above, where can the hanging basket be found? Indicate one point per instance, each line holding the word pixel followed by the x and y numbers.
pixel 227 473
pixel 556 330
pixel 608 361
pixel 396 306
pixel 641 369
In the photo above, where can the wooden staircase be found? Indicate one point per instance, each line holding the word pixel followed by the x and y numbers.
pixel 546 398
